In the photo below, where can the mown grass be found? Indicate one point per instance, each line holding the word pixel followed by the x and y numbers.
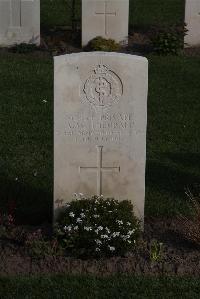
pixel 26 148
pixel 60 287
pixel 142 12
pixel 26 170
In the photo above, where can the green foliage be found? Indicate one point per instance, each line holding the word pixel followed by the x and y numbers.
pixel 38 246
pixel 169 41
pixel 23 48
pixel 156 250
pixel 6 225
pixel 98 227
pixel 101 44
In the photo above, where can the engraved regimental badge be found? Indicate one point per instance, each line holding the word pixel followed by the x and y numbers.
pixel 103 88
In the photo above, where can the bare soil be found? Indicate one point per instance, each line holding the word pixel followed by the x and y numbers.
pixel 178 257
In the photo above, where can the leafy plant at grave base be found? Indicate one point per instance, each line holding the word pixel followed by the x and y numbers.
pixel 6 225
pixel 37 246
pixel 98 227
pixel 191 225
pixel 8 229
pixel 156 249
pixel 169 41
pixel 23 48
pixel 101 44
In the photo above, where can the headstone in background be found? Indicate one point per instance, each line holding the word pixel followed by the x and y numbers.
pixel 100 116
pixel 19 22
pixel 192 19
pixel 108 19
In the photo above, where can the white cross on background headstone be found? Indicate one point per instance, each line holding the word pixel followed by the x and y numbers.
pixel 15 13
pixel 99 169
pixel 106 15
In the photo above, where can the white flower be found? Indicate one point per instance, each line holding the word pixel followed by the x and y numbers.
pixel 67 228
pixel 81 194
pixel 125 237
pixel 96 231
pixel 119 222
pixel 87 228
pixel 104 236
pixel 76 227
pixel 129 241
pixel 98 249
pixel 96 216
pixel 79 220
pixel 131 231
pixel 98 242
pixel 112 248
pixel 116 234
pixel 16 179
pixel 71 214
pixel 110 211
pixel 128 223
pixel 82 215
pixel 107 229
pixel 44 101
pixel 100 227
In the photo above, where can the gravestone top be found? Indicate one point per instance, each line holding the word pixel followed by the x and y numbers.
pixel 192 20
pixel 106 18
pixel 19 22
pixel 100 115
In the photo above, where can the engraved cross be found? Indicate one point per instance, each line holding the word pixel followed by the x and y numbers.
pixel 15 13
pixel 99 169
pixel 106 14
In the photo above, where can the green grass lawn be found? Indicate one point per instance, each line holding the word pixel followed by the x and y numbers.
pixel 26 150
pixel 127 287
pixel 142 12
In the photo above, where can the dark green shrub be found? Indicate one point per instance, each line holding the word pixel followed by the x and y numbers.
pixel 38 246
pixel 101 44
pixel 23 48
pixel 98 227
pixel 169 40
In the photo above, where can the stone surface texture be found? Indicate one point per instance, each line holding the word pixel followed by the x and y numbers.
pixel 100 116
pixel 19 22
pixel 192 19
pixel 108 19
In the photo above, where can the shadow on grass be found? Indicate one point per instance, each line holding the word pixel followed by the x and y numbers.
pixel 29 205
pixel 174 172
pixel 167 179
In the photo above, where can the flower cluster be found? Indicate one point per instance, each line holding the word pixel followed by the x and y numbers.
pixel 98 227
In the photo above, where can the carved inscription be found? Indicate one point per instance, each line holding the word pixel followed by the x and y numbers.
pixel 106 127
pixel 103 88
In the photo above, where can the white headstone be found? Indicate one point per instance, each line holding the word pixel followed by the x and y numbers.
pixel 19 22
pixel 106 18
pixel 192 19
pixel 100 115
